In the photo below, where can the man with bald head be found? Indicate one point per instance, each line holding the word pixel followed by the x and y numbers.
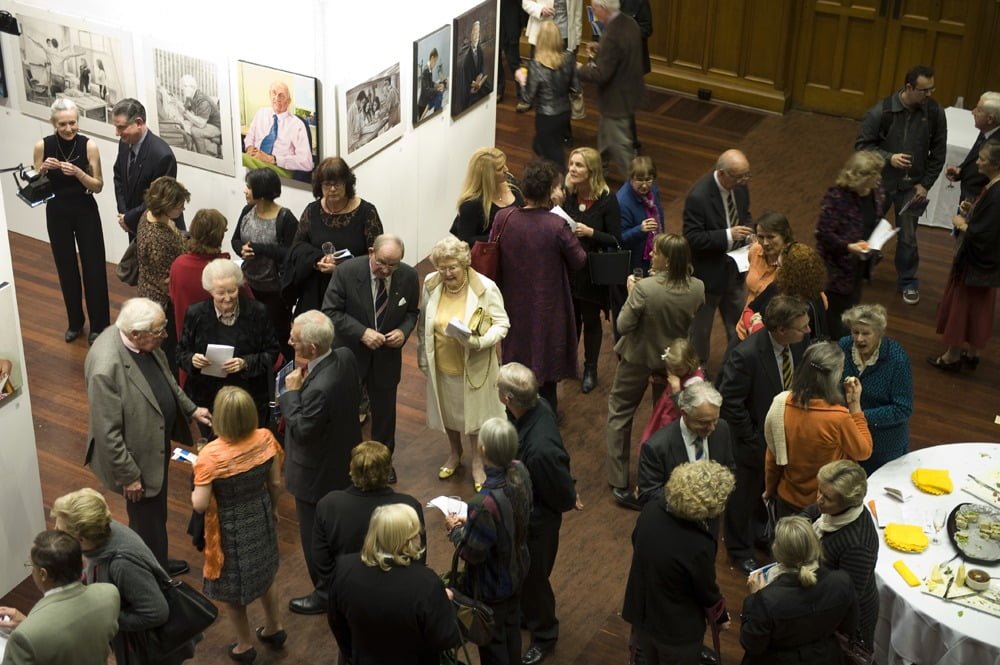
pixel 716 220
pixel 201 115
pixel 373 303
pixel 278 139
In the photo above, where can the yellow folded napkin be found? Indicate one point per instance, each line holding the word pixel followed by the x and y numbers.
pixel 933 481
pixel 905 572
pixel 905 537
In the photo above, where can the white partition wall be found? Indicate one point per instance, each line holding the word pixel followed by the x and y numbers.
pixel 21 512
pixel 414 182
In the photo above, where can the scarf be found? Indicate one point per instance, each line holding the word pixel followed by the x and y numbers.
pixel 649 204
pixel 830 523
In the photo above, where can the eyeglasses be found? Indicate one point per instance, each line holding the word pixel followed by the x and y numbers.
pixel 386 264
pixel 739 177
pixel 643 181
pixel 331 184
pixel 158 332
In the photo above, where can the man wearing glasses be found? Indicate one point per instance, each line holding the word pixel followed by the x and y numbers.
pixel 136 409
pixel 909 130
pixel 373 303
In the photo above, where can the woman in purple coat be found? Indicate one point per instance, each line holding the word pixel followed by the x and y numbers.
pixel 849 213
pixel 538 251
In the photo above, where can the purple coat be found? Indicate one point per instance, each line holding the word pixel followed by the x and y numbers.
pixel 841 222
pixel 537 253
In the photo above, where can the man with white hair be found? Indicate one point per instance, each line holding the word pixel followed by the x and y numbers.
pixel 320 408
pixel 277 138
pixel 201 115
pixel 698 434
pixel 986 116
pixel 136 409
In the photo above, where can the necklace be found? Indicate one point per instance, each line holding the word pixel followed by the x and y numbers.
pixel 72 153
pixel 338 211
pixel 457 289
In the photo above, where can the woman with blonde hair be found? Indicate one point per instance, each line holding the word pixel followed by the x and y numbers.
pixel 591 204
pixel 385 609
pixel 795 608
pixel 849 213
pixel 659 309
pixel 672 595
pixel 547 83
pixel 461 369
pixel 116 554
pixel 486 191
pixel 237 482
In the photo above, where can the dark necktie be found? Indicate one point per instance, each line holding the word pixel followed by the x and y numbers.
pixel 267 145
pixel 381 300
pixel 786 368
pixel 131 163
pixel 699 449
pixel 732 216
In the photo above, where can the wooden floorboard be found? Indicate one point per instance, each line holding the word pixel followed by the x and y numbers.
pixel 793 159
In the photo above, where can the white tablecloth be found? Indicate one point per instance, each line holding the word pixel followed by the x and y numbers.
pixel 943 200
pixel 914 627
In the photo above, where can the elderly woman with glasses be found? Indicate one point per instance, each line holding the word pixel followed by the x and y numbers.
pixel 883 368
pixel 815 422
pixel 461 369
pixel 641 212
pixel 849 213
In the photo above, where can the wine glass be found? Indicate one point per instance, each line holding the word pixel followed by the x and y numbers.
pixel 328 249
pixel 940 517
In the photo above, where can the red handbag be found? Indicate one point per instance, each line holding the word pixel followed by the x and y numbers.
pixel 486 255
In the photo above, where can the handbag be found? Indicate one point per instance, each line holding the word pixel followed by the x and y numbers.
pixel 486 255
pixel 609 268
pixel 475 618
pixel 127 269
pixel 190 613
pixel 854 651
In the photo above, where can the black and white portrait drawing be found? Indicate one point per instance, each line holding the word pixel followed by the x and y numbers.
pixel 370 115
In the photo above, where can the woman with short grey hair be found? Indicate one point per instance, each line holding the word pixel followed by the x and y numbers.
pixel 814 423
pixel 72 163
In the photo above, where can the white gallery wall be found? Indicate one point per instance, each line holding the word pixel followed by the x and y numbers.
pixel 414 182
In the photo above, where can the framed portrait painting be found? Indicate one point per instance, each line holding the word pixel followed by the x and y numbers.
pixel 473 54
pixel 192 109
pixel 370 116
pixel 279 115
pixel 431 64
pixel 67 57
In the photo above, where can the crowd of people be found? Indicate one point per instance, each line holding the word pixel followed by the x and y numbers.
pixel 280 359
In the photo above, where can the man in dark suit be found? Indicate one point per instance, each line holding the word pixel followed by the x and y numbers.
pixel 540 449
pixel 142 158
pixel 72 623
pixel 698 434
pixel 373 303
pixel 475 79
pixel 616 67
pixel 757 369
pixel 986 115
pixel 320 409
pixel 716 220
pixel 133 396
pixel 342 516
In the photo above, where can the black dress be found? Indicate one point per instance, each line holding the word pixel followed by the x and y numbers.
pixel 247 535
pixel 73 221
pixel 469 224
pixel 355 230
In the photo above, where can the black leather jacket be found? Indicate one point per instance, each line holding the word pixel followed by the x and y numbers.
pixel 549 89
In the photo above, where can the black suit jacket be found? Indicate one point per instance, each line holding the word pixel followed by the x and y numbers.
pixel 321 427
pixel 541 450
pixel 341 524
pixel 749 380
pixel 472 67
pixel 665 451
pixel 349 304
pixel 705 229
pixel 155 159
pixel 970 179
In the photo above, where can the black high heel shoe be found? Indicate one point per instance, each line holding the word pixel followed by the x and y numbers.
pixel 936 361
pixel 971 362
pixel 275 640
pixel 247 656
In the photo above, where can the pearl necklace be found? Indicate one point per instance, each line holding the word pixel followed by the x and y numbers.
pixel 458 290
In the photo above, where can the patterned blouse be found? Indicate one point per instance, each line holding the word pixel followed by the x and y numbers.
pixel 157 245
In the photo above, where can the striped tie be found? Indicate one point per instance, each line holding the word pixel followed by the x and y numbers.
pixel 786 368
pixel 732 215
pixel 699 449
pixel 381 300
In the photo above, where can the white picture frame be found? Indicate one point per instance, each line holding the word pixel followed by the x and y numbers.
pixel 370 115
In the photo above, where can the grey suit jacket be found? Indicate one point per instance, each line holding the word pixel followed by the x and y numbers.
pixel 664 451
pixel 653 316
pixel 74 625
pixel 126 424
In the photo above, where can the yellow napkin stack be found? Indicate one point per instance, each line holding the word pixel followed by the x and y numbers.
pixel 933 481
pixel 905 538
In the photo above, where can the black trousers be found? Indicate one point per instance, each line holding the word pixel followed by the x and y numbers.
pixel 148 516
pixel 305 511
pixel 549 133
pixel 382 400
pixel 281 319
pixel 746 516
pixel 661 653
pixel 505 649
pixel 588 323
pixel 538 602
pixel 76 224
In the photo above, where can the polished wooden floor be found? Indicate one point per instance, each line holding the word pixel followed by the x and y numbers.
pixel 793 159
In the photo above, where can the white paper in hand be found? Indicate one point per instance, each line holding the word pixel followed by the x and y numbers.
pixel 457 329
pixel 882 234
pixel 218 355
pixel 742 257
pixel 562 213
pixel 450 506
